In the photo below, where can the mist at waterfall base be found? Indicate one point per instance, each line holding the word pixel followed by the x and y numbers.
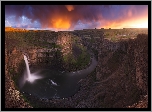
pixel 48 83
pixel 28 76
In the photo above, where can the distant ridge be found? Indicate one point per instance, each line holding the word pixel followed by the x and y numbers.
pixel 22 29
pixel 13 29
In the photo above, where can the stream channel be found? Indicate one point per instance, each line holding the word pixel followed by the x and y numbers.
pixel 57 84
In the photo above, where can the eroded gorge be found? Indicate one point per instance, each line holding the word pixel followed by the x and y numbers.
pixel 105 73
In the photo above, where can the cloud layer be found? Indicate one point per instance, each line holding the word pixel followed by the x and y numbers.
pixel 70 17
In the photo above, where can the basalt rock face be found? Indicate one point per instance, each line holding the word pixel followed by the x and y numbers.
pixel 64 39
pixel 44 57
pixel 13 60
pixel 66 54
pixel 141 63
pixel 123 72
pixel 110 57
pixel 120 79
pixel 13 98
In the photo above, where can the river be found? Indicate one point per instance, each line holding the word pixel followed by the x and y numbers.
pixel 57 84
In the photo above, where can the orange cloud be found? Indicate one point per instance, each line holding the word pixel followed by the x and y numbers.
pixel 141 23
pixel 69 7
pixel 128 22
pixel 60 22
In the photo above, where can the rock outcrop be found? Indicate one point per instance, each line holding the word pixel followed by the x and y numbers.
pixel 119 81
pixel 123 72
pixel 13 98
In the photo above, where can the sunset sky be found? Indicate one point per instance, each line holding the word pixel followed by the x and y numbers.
pixel 76 17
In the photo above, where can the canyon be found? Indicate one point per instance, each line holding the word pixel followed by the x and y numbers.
pixel 120 79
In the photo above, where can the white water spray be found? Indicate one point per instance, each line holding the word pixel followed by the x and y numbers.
pixel 27 67
pixel 30 77
pixel 53 83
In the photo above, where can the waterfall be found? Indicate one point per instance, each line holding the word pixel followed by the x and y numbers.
pixel 27 67
pixel 31 77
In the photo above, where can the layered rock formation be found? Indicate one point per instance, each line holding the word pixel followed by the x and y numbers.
pixel 123 72
pixel 119 81
pixel 13 98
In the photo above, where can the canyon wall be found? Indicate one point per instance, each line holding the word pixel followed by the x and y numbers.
pixel 120 79
pixel 122 71
pixel 13 66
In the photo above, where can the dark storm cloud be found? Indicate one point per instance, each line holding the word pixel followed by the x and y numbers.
pixel 61 16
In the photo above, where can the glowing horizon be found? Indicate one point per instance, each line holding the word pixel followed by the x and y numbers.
pixel 77 17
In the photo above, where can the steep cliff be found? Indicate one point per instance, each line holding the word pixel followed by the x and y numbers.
pixel 13 68
pixel 119 81
pixel 123 72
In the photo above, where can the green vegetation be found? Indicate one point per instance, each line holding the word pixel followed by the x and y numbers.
pixel 27 39
pixel 76 62
pixel 78 58
pixel 54 45
pixel 23 40
pixel 117 34
pixel 113 39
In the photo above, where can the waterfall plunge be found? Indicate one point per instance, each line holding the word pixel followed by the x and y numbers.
pixel 27 67
pixel 31 77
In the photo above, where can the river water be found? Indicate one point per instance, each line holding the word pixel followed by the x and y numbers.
pixel 57 84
